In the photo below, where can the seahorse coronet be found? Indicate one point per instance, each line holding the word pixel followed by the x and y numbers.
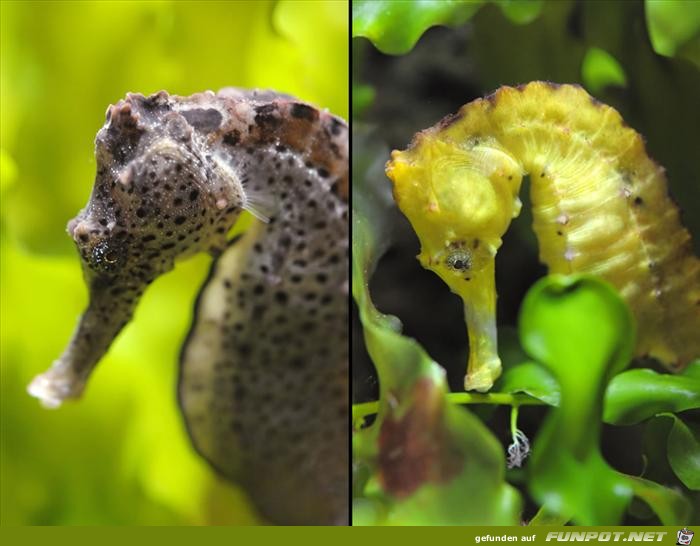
pixel 600 205
pixel 263 383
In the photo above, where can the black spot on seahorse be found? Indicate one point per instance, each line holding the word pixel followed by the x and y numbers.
pixel 232 138
pixel 205 120
pixel 265 116
pixel 336 126
pixel 303 111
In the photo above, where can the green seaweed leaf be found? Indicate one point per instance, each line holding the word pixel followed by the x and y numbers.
pixel 670 506
pixel 434 463
pixel 674 28
pixel 632 396
pixel 583 333
pixel 684 451
pixel 530 378
pixel 395 26
pixel 362 98
pixel 636 395
pixel 600 69
pixel 693 370
pixel 520 373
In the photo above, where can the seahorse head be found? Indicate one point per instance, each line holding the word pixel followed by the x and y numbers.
pixel 460 197
pixel 460 200
pixel 160 193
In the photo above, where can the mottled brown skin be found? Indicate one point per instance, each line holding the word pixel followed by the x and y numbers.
pixel 174 173
pixel 272 343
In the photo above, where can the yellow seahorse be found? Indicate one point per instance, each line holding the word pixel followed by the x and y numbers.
pixel 599 203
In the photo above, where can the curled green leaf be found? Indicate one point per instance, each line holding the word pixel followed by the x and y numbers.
pixel 670 506
pixel 530 378
pixel 674 27
pixel 684 451
pixel 395 26
pixel 693 370
pixel 636 395
pixel 600 69
pixel 579 328
pixel 362 98
pixel 520 374
pixel 582 332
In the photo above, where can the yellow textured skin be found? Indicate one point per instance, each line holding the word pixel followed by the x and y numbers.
pixel 600 205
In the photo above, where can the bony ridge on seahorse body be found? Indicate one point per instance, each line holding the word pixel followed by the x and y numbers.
pixel 263 380
pixel 599 204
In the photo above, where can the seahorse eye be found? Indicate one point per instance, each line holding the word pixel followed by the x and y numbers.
pixel 106 257
pixel 459 261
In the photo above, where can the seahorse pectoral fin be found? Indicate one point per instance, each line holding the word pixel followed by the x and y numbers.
pixel 479 296
pixel 99 325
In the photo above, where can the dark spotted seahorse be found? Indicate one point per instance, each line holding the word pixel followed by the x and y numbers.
pixel 264 371
pixel 599 203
